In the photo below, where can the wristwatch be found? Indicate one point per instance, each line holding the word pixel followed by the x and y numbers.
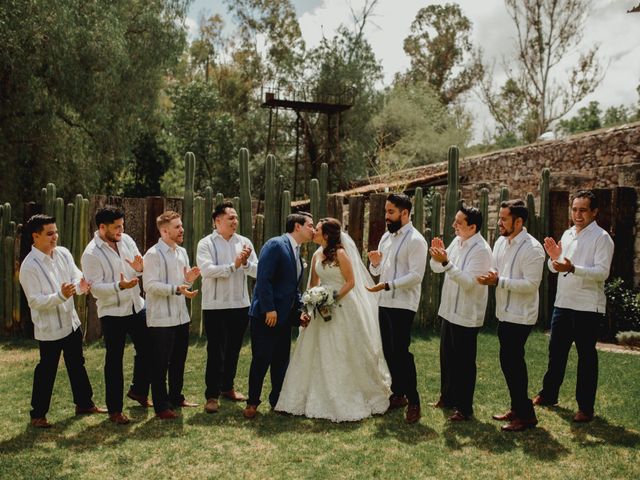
pixel 178 292
pixel 445 263
pixel 386 286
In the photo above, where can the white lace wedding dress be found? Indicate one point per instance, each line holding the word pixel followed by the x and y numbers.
pixel 337 371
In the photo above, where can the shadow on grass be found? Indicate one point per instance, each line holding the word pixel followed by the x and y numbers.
pixel 598 432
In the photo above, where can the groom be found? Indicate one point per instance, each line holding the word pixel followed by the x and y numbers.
pixel 276 308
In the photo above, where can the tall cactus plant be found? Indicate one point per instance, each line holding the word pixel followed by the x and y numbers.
pixel 49 206
pixel 199 228
pixel 418 210
pixel 285 209
pixel 187 207
pixel 451 199
pixel 244 208
pixel 208 208
pixel 314 198
pixel 532 219
pixel 58 212
pixel 484 210
pixel 436 210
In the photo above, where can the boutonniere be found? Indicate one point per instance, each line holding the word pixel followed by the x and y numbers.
pixel 304 264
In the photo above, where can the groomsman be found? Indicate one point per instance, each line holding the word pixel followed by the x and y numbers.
pixel 167 278
pixel 50 279
pixel 518 260
pixel 112 263
pixel 462 308
pixel 400 260
pixel 583 259
pixel 225 259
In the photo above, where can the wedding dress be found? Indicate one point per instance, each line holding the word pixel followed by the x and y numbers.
pixel 337 371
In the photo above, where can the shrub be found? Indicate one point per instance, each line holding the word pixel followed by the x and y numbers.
pixel 623 307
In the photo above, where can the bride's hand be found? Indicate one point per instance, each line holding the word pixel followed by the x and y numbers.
pixel 304 319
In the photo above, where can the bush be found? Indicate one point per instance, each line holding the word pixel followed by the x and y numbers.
pixel 623 307
pixel 630 339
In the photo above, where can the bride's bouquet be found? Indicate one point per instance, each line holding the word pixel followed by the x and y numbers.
pixel 321 300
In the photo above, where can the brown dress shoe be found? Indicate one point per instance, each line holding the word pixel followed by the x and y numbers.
pixel 398 402
pixel 40 422
pixel 250 411
pixel 142 400
pixel 119 418
pixel 582 417
pixel 212 405
pixel 505 417
pixel 541 402
pixel 234 396
pixel 519 424
pixel 458 416
pixel 413 414
pixel 185 403
pixel 90 410
pixel 167 414
pixel 440 404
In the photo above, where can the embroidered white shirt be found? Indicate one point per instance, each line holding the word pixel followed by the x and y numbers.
pixel 41 276
pixel 463 300
pixel 591 251
pixel 404 260
pixel 519 264
pixel 224 286
pixel 102 267
pixel 163 273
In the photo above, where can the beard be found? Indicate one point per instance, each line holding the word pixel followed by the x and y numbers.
pixel 393 227
pixel 506 232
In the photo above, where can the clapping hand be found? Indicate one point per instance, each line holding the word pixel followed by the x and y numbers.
pixel 553 249
pixel 375 257
pixel 124 283
pixel 490 278
pixel 437 250
pixel 184 290
pixel 84 286
pixel 68 289
pixel 243 256
pixel 191 275
pixel 562 267
pixel 137 264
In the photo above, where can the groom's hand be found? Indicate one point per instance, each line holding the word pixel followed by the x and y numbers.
pixel 375 288
pixel 271 318
pixel 375 256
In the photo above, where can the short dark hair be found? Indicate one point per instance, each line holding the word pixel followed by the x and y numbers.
pixel 221 209
pixel 517 209
pixel 474 216
pixel 593 200
pixel 108 214
pixel 292 219
pixel 37 222
pixel 400 200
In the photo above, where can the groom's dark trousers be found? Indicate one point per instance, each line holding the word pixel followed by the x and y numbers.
pixel 270 348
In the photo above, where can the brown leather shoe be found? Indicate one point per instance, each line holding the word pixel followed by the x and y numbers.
pixel 505 417
pixel 167 414
pixel 250 411
pixel 458 416
pixel 212 405
pixel 142 400
pixel 187 404
pixel 542 402
pixel 440 404
pixel 519 424
pixel 582 417
pixel 234 396
pixel 413 414
pixel 119 418
pixel 40 422
pixel 398 402
pixel 90 410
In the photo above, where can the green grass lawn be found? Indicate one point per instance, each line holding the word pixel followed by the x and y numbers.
pixel 225 445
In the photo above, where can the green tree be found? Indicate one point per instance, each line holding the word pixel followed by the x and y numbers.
pixel 441 51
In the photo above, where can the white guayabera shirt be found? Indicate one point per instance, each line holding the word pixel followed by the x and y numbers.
pixel 41 276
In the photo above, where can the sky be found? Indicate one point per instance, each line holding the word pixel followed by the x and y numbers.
pixel 608 25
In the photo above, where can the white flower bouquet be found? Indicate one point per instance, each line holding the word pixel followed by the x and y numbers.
pixel 320 300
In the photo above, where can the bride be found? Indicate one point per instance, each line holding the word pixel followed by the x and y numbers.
pixel 338 371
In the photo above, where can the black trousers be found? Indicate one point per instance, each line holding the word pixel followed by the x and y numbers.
pixel 115 331
pixel 458 348
pixel 45 373
pixel 395 331
pixel 513 338
pixel 568 326
pixel 225 330
pixel 270 350
pixel 169 354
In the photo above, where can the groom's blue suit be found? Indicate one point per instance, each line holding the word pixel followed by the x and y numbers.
pixel 276 289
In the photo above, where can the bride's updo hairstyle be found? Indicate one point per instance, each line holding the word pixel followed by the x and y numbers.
pixel 331 229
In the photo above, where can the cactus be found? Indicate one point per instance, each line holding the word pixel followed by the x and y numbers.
pixel 314 198
pixel 50 199
pixel 199 227
pixel 244 206
pixel 236 202
pixel 436 210
pixel 58 209
pixel 451 199
pixel 271 208
pixel 532 219
pixel 67 239
pixel 504 196
pixel 77 220
pixel 425 296
pixel 285 209
pixel 258 239
pixel 43 200
pixel 6 220
pixel 187 207
pixel 9 261
pixel 208 208
pixel 484 210
pixel 418 210
pixel 279 190
pixel 324 185
pixel 219 199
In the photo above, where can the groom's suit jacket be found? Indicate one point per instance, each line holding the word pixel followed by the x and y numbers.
pixel 277 282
